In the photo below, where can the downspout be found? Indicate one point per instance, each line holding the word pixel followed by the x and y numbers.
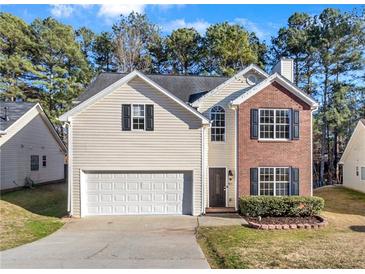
pixel 236 157
pixel 311 132
pixel 69 167
pixel 203 170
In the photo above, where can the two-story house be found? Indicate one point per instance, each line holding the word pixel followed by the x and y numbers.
pixel 162 144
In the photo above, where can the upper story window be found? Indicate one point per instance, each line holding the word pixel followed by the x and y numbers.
pixel 138 117
pixel 218 130
pixel 274 124
pixel 44 160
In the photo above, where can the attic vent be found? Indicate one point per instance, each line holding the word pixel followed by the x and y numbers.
pixel 251 79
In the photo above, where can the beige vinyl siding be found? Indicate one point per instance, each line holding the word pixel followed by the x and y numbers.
pixel 222 154
pixel 29 136
pixel 355 157
pixel 100 144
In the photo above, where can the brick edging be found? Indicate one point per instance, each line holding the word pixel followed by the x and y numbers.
pixel 321 224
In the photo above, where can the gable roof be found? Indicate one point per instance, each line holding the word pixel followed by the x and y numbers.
pixel 360 123
pixel 18 110
pixel 282 81
pixel 121 81
pixel 185 87
pixel 229 80
pixel 15 110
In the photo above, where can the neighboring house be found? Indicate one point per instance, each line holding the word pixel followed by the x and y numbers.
pixel 159 144
pixel 29 146
pixel 353 159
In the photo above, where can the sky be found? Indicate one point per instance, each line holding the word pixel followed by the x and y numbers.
pixel 264 20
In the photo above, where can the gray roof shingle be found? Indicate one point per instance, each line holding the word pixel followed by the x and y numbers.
pixel 15 110
pixel 186 88
pixel 363 121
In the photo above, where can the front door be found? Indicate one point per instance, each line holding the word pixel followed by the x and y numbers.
pixel 217 187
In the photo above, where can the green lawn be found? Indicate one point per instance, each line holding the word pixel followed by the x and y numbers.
pixel 340 245
pixel 30 214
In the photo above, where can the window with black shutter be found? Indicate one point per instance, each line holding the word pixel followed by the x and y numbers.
pixel 294 181
pixel 254 181
pixel 126 117
pixel 149 118
pixel 295 124
pixel 254 123
pixel 137 117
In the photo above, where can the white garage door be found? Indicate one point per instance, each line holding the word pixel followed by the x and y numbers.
pixel 137 193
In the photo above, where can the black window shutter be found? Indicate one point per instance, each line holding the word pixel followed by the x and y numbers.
pixel 295 124
pixel 149 118
pixel 254 177
pixel 294 181
pixel 254 123
pixel 126 117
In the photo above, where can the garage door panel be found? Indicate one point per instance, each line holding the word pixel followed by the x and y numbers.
pixel 138 193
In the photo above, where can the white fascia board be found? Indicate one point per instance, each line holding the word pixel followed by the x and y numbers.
pixel 281 80
pixel 65 117
pixel 239 74
pixel 51 127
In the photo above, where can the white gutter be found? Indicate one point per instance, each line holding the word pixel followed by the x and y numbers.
pixel 235 159
pixel 203 173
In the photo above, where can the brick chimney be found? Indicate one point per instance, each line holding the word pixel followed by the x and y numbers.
pixel 285 67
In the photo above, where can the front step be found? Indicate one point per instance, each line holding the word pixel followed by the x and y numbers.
pixel 209 210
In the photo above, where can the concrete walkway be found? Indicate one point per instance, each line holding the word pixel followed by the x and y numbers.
pixel 114 242
pixel 225 219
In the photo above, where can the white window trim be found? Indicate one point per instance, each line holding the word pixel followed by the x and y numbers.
pixel 31 164
pixel 144 117
pixel 274 139
pixel 259 181
pixel 44 161
pixel 361 175
pixel 225 125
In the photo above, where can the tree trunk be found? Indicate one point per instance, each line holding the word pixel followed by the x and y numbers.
pixel 324 127
pixel 335 155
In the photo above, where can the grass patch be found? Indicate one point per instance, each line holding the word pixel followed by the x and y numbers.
pixel 340 245
pixel 47 200
pixel 30 214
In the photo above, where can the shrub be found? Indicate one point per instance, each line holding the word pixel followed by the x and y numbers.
pixel 283 206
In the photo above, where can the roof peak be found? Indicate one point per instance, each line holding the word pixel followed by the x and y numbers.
pixel 167 75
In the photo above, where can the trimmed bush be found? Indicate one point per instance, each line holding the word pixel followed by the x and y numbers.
pixel 280 206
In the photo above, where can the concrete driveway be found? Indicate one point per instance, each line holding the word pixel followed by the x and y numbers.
pixel 114 242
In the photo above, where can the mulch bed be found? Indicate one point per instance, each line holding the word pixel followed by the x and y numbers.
pixel 286 222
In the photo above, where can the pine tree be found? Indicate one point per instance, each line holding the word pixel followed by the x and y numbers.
pixel 62 69
pixel 16 45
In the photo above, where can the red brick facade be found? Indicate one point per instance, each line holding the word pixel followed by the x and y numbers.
pixel 256 153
